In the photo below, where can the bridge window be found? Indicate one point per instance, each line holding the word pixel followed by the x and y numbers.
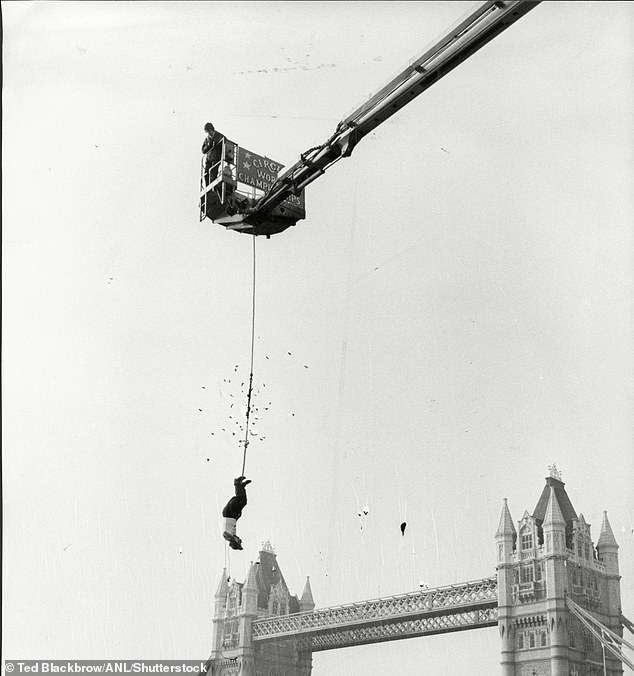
pixel 587 550
pixel 542 639
pixel 538 571
pixel 531 640
pixel 520 640
pixel 527 574
pixel 579 548
pixel 527 541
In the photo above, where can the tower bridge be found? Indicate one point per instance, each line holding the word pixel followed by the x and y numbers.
pixel 555 599
pixel 432 611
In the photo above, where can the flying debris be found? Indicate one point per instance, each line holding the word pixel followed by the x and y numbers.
pixel 200 409
pixel 204 388
pixel 403 527
pixel 289 353
pixel 366 510
pixel 305 366
pixel 207 459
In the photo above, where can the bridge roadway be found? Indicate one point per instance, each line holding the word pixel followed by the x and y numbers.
pixel 467 605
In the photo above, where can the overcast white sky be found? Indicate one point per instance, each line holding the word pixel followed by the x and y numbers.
pixel 461 292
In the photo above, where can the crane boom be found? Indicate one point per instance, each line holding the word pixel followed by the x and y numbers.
pixel 273 211
pixel 470 35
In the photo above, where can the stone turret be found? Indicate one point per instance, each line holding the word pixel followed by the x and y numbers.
pixel 554 527
pixel 554 559
pixel 608 553
pixel 248 613
pixel 220 604
pixel 607 547
pixel 263 594
pixel 306 602
pixel 506 538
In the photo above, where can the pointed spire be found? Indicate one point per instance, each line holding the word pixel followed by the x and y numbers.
pixel 553 514
pixel 606 538
pixel 506 526
pixel 251 584
pixel 307 602
pixel 223 585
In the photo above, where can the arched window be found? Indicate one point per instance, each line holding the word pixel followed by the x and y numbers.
pixel 531 640
pixel 542 639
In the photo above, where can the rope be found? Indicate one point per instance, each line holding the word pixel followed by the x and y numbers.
pixel 246 435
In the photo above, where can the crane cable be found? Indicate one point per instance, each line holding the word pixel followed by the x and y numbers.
pixel 246 435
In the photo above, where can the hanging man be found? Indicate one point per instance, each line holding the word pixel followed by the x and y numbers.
pixel 233 511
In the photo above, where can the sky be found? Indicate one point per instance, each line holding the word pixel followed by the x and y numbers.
pixel 454 315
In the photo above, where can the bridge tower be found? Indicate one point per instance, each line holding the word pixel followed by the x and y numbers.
pixel 236 605
pixel 548 558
